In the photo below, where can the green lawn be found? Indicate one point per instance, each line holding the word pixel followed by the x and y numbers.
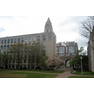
pixel 27 74
pixel 84 75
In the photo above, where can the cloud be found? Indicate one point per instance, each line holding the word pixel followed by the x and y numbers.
pixel 73 19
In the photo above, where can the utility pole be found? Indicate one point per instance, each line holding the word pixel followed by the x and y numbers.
pixel 81 65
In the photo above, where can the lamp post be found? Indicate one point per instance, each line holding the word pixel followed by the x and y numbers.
pixel 81 65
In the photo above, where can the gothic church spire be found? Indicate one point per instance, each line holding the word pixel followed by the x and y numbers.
pixel 48 26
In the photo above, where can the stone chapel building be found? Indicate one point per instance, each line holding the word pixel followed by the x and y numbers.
pixel 47 38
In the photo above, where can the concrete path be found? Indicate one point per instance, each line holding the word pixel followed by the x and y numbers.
pixel 65 74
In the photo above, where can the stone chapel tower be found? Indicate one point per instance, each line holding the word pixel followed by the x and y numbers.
pixel 50 41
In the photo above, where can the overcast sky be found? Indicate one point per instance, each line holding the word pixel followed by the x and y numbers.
pixel 66 28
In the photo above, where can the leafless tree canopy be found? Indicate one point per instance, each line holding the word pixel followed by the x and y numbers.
pixel 87 26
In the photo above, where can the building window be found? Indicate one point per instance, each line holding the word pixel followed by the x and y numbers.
pixel 15 41
pixel 4 46
pixel 2 41
pixel 61 50
pixel 11 40
pixel 44 38
pixel 7 46
pixel 8 41
pixel 22 40
pixel 18 40
pixel 71 49
pixel 1 47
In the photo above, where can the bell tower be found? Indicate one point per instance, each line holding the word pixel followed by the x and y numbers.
pixel 50 39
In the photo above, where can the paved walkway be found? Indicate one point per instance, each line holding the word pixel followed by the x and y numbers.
pixel 65 74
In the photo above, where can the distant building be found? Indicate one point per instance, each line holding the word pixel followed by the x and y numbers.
pixel 67 49
pixel 47 38
pixel 61 49
pixel 91 51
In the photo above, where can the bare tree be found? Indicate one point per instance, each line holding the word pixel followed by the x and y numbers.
pixel 87 26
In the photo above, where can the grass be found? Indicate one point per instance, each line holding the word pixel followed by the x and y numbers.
pixel 84 75
pixel 28 74
pixel 50 71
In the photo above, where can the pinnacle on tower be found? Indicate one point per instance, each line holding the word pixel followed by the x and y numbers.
pixel 48 26
pixel 48 20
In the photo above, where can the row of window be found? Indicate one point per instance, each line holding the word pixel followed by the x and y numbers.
pixel 4 46
pixel 17 40
pixel 69 49
pixel 11 41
